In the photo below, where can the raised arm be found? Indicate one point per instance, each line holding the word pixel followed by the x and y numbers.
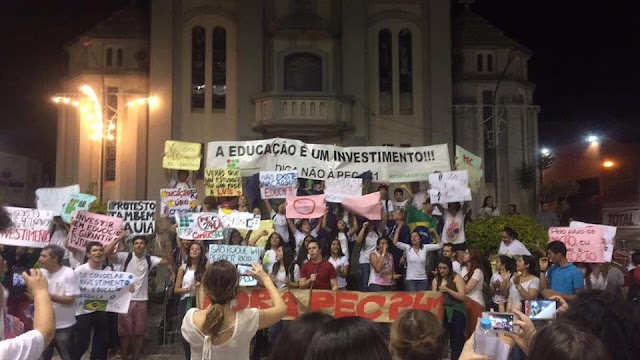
pixel 43 316
pixel 320 221
pixel 267 204
pixel 353 228
pixel 275 313
pixel 361 234
pixel 292 226
pixel 377 261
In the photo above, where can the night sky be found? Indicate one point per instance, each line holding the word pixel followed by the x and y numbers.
pixel 585 65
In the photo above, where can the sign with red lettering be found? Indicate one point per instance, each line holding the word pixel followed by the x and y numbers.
pixel 222 182
pixel 30 227
pixel 583 244
pixel 278 184
pixel 305 207
pixel 375 306
pixel 199 226
pixel 88 227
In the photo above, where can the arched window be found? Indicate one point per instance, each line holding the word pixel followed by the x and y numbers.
pixel 219 94
pixel 109 57
pixel 489 63
pixel 302 72
pixel 385 72
pixel 198 48
pixel 479 65
pixel 405 71
pixel 119 57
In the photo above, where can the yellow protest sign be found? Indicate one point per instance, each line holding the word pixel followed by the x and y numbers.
pixel 222 182
pixel 180 155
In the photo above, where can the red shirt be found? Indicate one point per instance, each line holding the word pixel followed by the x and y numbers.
pixel 627 281
pixel 324 273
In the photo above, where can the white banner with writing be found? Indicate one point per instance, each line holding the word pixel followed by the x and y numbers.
pixel 278 184
pixel 335 190
pixel 103 290
pixel 30 227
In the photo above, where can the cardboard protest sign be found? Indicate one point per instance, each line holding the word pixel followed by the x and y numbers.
pixel 138 215
pixel 239 219
pixel 222 182
pixel 376 306
pixel 609 236
pixel 102 290
pixel 173 201
pixel 52 199
pixel 305 207
pixel 237 255
pixel 182 155
pixel 451 186
pixel 367 206
pixel 321 162
pixel 93 227
pixel 335 190
pixel 278 184
pixel 466 160
pixel 30 227
pixel 583 244
pixel 76 202
pixel 199 226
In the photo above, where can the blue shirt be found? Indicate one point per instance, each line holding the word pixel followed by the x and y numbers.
pixel 565 279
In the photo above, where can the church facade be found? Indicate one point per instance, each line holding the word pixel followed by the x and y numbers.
pixel 357 72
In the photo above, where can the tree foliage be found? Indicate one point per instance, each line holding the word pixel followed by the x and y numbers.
pixel 485 233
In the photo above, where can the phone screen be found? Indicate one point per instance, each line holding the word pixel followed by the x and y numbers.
pixel 501 322
pixel 246 279
pixel 540 309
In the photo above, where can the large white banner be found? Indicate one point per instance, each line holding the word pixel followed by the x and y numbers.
pixel 320 162
pixel 29 228
pixel 104 291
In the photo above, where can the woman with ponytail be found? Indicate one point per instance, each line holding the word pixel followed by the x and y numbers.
pixel 218 332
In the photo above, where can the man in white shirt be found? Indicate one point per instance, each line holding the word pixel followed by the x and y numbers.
pixel 398 196
pixel 63 289
pixel 131 326
pixel 30 345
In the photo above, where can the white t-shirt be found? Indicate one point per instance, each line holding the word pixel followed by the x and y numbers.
pixel 400 205
pixel 453 231
pixel 281 276
pixel 236 348
pixel 368 246
pixel 476 293
pixel 456 266
pixel 387 206
pixel 85 267
pixel 269 258
pixel 417 262
pixel 174 184
pixel 58 237
pixel 28 346
pixel 514 295
pixel 63 282
pixel 299 237
pixel 140 269
pixel 188 279
pixel 487 212
pixel 515 248
pixel 344 243
pixel 342 261
pixel 598 283
pixel 281 225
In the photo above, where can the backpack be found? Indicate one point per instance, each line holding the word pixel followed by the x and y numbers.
pixel 130 256
pixel 633 295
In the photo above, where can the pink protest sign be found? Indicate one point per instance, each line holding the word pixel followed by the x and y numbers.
pixel 305 207
pixel 368 206
pixel 583 244
pixel 93 227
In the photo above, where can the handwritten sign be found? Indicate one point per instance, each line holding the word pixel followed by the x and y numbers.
pixel 173 201
pixel 181 155
pixel 278 184
pixel 609 236
pixel 102 290
pixel 376 306
pixel 367 206
pixel 138 216
pixel 93 227
pixel 583 244
pixel 237 255
pixel 305 207
pixel 76 202
pixel 199 226
pixel 222 182
pixel 53 199
pixel 466 160
pixel 30 227
pixel 450 186
pixel 336 190
pixel 239 219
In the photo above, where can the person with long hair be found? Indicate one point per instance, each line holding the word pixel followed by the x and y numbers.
pixel 340 262
pixel 501 281
pixel 510 245
pixel 488 208
pixel 473 277
pixel 416 256
pixel 416 335
pixel 285 273
pixel 187 281
pixel 526 283
pixel 367 238
pixel 303 252
pixel 220 332
pixel 382 276
pixel 274 242
pixel 454 320
pixel 294 340
pixel 344 234
pixel 235 238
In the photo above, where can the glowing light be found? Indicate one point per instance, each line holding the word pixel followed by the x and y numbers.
pixel 110 137
pixel 545 151
pixel 111 126
pixel 592 138
pixel 75 103
pixel 153 101
pixel 608 164
pixel 66 100
pixel 56 99
pixel 141 101
pixel 97 112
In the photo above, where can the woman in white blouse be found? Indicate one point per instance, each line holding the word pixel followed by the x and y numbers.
pixel 340 262
pixel 416 255
pixel 218 332
pixel 526 282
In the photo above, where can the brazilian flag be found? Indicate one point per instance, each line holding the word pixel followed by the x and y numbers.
pixel 95 305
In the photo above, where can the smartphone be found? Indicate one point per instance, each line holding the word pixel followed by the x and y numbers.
pixel 501 322
pixel 540 309
pixel 244 269
pixel 246 279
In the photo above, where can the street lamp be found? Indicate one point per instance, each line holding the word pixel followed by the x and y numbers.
pixel 593 140
pixel 545 151
pixel 608 164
